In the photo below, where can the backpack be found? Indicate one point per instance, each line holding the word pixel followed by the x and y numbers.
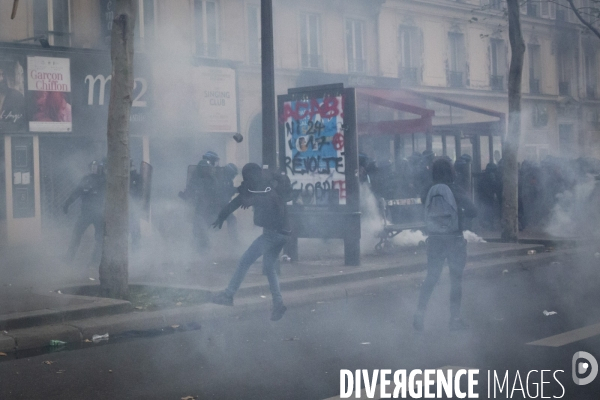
pixel 269 200
pixel 441 211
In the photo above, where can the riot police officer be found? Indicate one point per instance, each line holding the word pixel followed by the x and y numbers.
pixel 92 191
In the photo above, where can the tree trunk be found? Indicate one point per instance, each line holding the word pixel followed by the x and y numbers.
pixel 510 148
pixel 114 263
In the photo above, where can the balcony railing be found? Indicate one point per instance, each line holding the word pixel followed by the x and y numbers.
pixel 357 65
pixel 209 50
pixel 408 75
pixel 314 61
pixel 497 82
pixel 590 91
pixel 564 89
pixel 455 79
pixel 534 86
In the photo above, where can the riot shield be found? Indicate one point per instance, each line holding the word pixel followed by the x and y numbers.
pixel 146 175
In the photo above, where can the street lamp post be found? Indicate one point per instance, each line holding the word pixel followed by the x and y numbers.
pixel 269 134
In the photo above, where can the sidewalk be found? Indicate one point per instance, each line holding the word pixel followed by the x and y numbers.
pixel 31 318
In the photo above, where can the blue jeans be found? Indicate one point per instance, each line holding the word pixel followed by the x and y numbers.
pixel 268 245
pixel 440 248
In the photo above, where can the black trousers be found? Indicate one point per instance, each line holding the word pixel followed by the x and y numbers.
pixel 439 249
pixel 83 222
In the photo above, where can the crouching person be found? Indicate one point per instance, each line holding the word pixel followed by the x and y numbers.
pixel 268 194
pixel 446 206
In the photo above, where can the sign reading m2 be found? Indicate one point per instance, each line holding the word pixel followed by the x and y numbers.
pixel 140 87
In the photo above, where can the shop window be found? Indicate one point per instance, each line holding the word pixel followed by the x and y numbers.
pixel 254 49
pixel 51 18
pixel 206 28
pixel 355 46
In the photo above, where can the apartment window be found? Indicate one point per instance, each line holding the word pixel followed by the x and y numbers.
pixel 548 9
pixel 310 36
pixel 591 74
pixel 354 46
pixel 564 72
pixel 497 64
pixel 456 59
pixel 206 27
pixel 254 34
pixel 409 44
pixel 566 140
pixel 146 25
pixel 533 8
pixel 496 4
pixel 535 67
pixel 51 19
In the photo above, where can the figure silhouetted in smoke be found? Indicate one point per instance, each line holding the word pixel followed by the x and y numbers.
pixel 268 194
pixel 92 191
pixel 446 205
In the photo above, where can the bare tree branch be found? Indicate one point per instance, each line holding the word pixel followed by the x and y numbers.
pixel 583 21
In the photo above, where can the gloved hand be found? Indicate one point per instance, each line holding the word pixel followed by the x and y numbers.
pixel 66 209
pixel 218 224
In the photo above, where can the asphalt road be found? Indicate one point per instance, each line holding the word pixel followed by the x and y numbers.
pixel 300 357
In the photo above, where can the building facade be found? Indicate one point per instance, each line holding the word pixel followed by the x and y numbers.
pixel 197 81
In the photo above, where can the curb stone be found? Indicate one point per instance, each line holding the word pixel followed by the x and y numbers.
pixel 7 344
pixel 76 331
pixel 32 338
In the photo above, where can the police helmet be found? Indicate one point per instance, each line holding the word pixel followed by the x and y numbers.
pixel 211 157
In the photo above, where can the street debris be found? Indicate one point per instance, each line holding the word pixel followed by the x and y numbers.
pixel 5 332
pixel 2 354
pixel 531 252
pixel 499 318
pixel 549 313
pixel 59 292
pixel 178 304
pixel 92 279
pixel 56 343
pixel 505 271
pixel 285 258
pixel 313 310
pixel 174 326
pixel 110 371
pixel 366 343
pixel 99 338
pixel 262 296
pixel 87 341
pixel 60 371
pixel 291 339
pixel 188 398
pixel 48 362
pixel 139 308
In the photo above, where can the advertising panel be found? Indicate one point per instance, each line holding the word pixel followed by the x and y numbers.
pixel 49 94
pixel 216 99
pixel 314 149
pixel 12 94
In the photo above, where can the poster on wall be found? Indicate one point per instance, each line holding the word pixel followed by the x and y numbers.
pixel 49 94
pixel 314 149
pixel 12 94
pixel 216 99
